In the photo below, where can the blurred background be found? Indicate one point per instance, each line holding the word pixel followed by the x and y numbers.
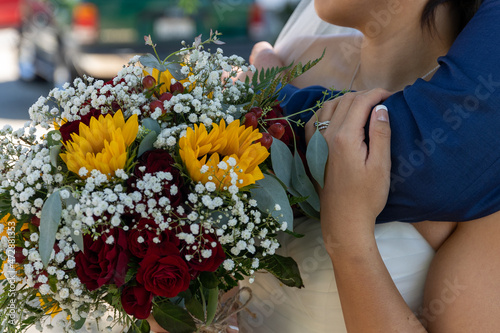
pixel 44 43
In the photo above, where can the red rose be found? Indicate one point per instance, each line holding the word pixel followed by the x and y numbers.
pixel 136 301
pixel 103 263
pixel 163 271
pixel 200 264
pixel 155 161
pixel 74 126
pixel 146 228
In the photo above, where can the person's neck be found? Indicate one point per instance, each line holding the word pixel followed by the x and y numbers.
pixel 400 54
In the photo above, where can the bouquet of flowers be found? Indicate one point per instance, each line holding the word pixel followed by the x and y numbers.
pixel 149 194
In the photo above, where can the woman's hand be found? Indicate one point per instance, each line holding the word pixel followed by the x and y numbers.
pixel 263 56
pixel 357 175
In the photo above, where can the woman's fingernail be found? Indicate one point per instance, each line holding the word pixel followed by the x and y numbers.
pixel 381 113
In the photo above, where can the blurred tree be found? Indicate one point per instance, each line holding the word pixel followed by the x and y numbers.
pixel 189 6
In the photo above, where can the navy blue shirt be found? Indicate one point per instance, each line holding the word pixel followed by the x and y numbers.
pixel 445 132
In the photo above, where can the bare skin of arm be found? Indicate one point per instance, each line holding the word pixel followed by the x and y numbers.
pixel 461 293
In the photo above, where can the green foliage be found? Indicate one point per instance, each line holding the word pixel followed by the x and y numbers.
pixel 49 223
pixel 266 81
pixel 284 269
pixel 317 155
pixel 173 318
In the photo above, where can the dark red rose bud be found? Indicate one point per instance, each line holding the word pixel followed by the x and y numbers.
pixel 257 111
pixel 176 88
pixel 156 104
pixel 276 130
pixel 137 301
pixel 266 140
pixel 251 120
pixel 166 96
pixel 149 82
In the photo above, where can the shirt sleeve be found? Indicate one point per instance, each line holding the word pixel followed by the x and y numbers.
pixel 445 132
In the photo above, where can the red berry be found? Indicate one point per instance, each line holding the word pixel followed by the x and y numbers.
pixel 266 140
pixel 156 104
pixel 18 255
pixel 35 220
pixel 149 82
pixel 251 120
pixel 166 96
pixel 257 111
pixel 177 87
pixel 276 130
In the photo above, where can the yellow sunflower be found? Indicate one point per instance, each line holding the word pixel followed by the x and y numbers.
pixel 102 145
pixel 51 307
pixel 234 145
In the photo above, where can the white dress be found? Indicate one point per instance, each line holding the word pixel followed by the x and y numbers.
pixel 276 308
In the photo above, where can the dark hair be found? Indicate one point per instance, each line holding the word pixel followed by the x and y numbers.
pixel 464 8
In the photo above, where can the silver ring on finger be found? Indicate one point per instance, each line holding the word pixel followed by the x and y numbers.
pixel 321 125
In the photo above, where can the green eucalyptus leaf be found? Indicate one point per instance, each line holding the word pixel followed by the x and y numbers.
pixel 213 300
pixel 149 60
pixel 49 223
pixel 317 155
pixel 173 318
pixel 282 160
pixel 302 184
pixel 51 141
pixel 151 125
pixel 284 269
pixel 268 193
pixel 54 154
pixel 307 208
pixel 78 239
pixel 175 70
pixel 147 143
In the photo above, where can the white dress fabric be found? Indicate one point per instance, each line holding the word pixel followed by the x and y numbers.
pixel 276 308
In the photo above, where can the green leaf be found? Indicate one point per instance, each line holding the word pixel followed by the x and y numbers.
pixel 149 60
pixel 311 212
pixel 147 143
pixel 195 308
pixel 209 280
pixel 50 141
pixel 175 70
pixel 213 300
pixel 284 269
pixel 268 193
pixel 78 324
pixel 282 160
pixel 173 318
pixel 78 239
pixel 317 155
pixel 54 154
pixel 49 223
pixel 302 184
pixel 139 326
pixel 151 125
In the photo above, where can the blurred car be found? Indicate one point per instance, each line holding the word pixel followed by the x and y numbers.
pixel 61 39
pixel 10 15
